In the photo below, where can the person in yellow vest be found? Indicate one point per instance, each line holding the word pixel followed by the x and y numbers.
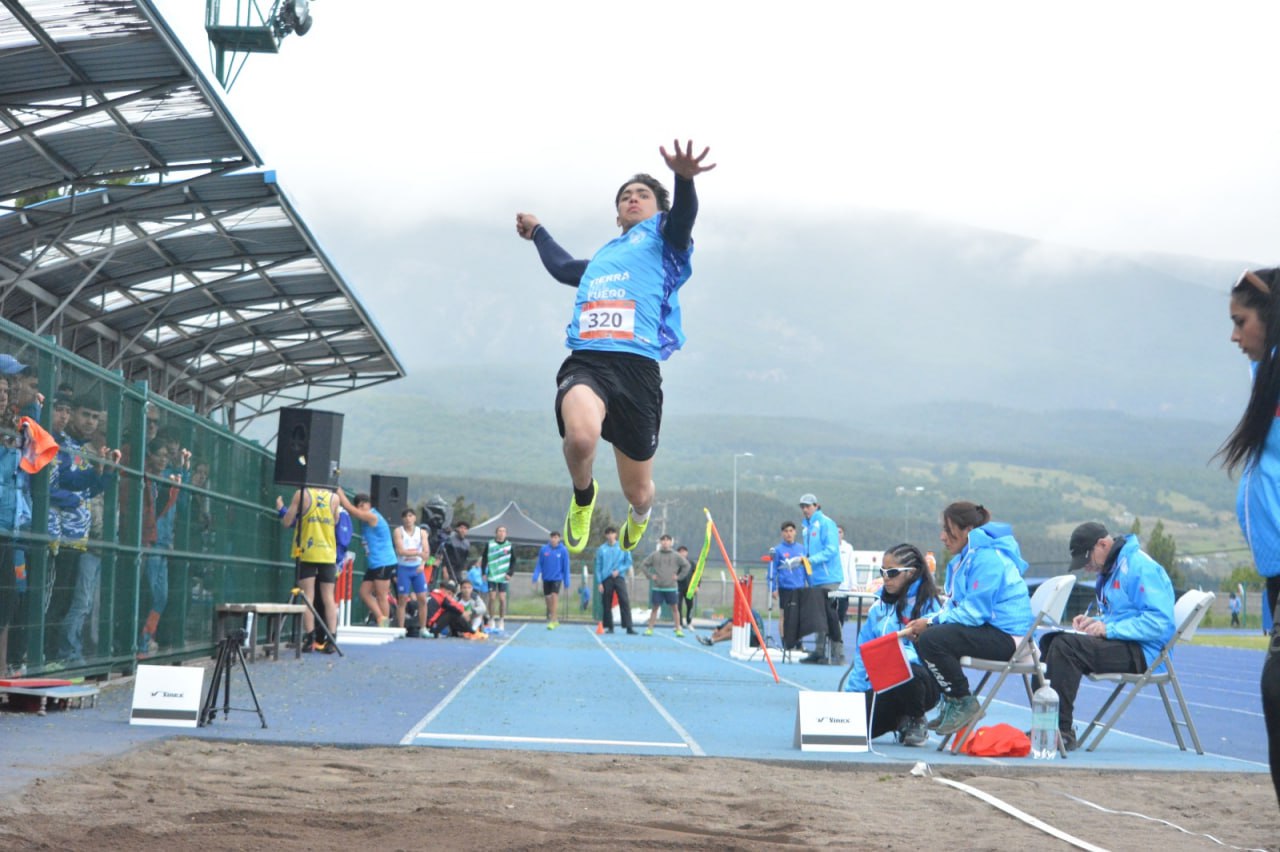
pixel 315 550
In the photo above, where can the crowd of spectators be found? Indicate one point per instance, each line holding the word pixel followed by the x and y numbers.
pixel 102 513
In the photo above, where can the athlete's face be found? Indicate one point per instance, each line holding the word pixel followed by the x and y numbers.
pixel 636 204
pixel 1248 330
pixel 789 535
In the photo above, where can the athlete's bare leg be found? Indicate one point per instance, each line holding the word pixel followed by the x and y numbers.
pixel 636 479
pixel 583 415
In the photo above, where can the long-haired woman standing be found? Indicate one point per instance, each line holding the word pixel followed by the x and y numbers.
pixel 1254 448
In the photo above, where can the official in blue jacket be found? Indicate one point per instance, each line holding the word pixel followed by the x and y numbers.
pixel 1135 606
pixel 908 593
pixel 988 608
pixel 1254 448
pixel 612 565
pixel 822 548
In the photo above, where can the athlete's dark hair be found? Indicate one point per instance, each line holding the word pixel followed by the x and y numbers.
pixel 659 191
pixel 362 498
pixel 408 512
pixel 786 524
pixel 963 515
pixel 1244 445
pixel 909 556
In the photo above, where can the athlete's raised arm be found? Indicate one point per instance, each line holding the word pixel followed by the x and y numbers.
pixel 562 266
pixel 678 230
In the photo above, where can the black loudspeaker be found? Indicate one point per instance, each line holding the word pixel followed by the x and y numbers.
pixel 308 447
pixel 390 495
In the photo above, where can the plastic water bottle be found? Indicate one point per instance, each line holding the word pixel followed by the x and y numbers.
pixel 1044 723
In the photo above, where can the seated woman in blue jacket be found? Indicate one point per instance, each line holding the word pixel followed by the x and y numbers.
pixel 988 608
pixel 908 593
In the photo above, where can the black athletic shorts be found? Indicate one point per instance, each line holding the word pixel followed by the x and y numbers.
pixel 324 572
pixel 550 587
pixel 631 388
pixel 386 572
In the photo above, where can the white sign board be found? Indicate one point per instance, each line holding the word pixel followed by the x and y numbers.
pixel 831 721
pixel 167 695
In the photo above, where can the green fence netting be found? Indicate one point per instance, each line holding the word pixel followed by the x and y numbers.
pixel 124 560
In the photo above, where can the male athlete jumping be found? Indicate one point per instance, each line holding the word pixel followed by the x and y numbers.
pixel 626 319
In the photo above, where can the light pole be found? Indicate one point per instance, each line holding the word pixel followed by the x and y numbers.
pixel 906 508
pixel 733 552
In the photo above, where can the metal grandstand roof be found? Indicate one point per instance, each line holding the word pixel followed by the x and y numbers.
pixel 205 283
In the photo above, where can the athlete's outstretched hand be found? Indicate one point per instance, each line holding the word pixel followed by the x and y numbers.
pixel 683 163
pixel 525 223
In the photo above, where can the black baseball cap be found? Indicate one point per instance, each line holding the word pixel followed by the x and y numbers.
pixel 1083 538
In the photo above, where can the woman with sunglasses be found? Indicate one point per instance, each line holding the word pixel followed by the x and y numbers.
pixel 908 593
pixel 1255 321
pixel 988 608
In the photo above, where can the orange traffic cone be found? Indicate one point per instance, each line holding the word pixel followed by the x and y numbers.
pixel 599 628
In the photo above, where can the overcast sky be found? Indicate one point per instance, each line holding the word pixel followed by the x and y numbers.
pixel 1142 126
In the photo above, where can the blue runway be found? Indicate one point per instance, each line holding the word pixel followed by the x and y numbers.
pixel 571 690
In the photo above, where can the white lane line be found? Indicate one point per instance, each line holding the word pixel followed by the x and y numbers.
pixel 1153 694
pixel 1174 747
pixel 1163 743
pixel 552 740
pixel 408 738
pixel 662 711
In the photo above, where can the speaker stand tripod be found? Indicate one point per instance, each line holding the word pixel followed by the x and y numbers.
pixel 296 595
pixel 229 653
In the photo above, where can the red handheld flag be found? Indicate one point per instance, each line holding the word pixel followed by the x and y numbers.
pixel 886 662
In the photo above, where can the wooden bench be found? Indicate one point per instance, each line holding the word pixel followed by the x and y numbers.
pixel 274 614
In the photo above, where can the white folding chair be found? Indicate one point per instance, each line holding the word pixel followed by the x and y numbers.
pixel 1048 603
pixel 1187 614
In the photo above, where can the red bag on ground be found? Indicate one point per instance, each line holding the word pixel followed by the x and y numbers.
pixel 886 662
pixel 1002 740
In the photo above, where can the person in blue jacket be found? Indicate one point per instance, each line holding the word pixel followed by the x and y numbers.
pixel 1254 448
pixel 626 321
pixel 786 579
pixel 909 593
pixel 612 565
pixel 1135 620
pixel 821 541
pixel 553 567
pixel 988 608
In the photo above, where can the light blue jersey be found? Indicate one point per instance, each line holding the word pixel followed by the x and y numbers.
pixel 377 542
pixel 628 298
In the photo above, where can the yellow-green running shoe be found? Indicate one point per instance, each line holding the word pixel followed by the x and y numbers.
pixel 577 523
pixel 631 532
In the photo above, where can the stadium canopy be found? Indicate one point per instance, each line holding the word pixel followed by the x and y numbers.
pixel 161 248
pixel 521 529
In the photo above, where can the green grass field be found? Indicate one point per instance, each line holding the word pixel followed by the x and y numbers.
pixel 1247 640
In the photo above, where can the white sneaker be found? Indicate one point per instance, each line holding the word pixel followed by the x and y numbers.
pixel 502 625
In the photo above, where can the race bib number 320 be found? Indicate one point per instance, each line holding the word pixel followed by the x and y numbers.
pixel 613 318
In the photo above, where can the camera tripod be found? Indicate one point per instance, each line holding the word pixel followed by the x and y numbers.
pixel 295 595
pixel 229 653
